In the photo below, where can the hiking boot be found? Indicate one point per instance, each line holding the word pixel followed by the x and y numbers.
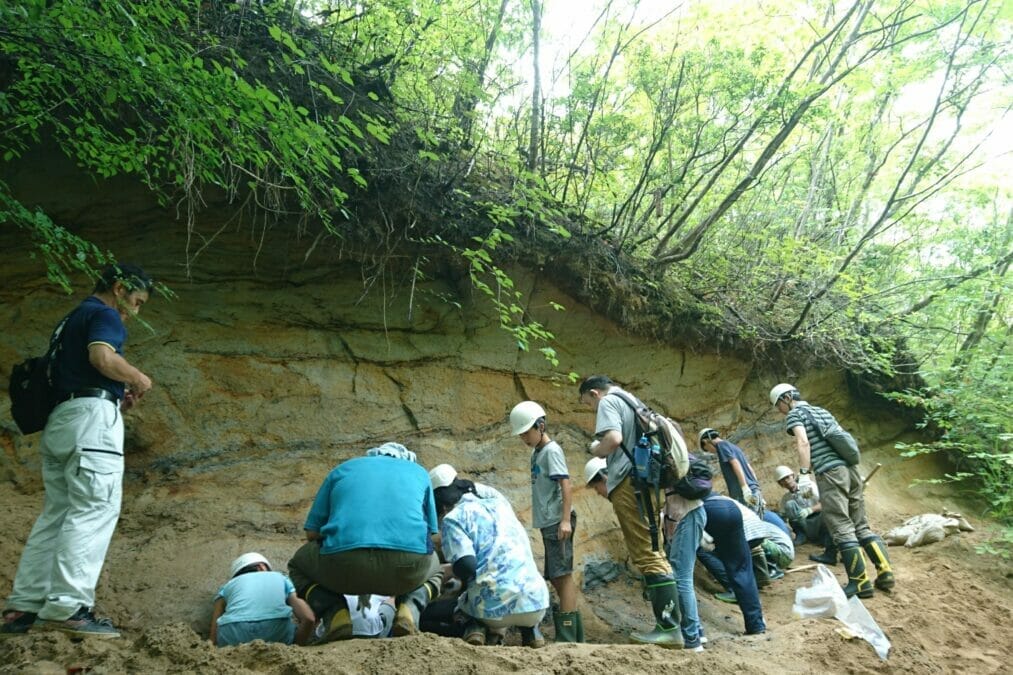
pixel 474 633
pixel 532 637
pixel 726 596
pixel 83 623
pixel 858 579
pixel 670 638
pixel 875 548
pixel 16 622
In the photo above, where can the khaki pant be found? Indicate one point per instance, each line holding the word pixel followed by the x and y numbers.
pixel 376 571
pixel 636 531
pixel 82 471
pixel 843 511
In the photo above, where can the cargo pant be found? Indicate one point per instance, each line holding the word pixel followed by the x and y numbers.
pixel 843 503
pixel 636 532
pixel 82 471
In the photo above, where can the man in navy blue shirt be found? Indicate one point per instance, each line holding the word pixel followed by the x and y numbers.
pixel 82 463
pixel 738 474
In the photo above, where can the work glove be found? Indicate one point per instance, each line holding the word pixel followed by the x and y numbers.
pixel 806 486
pixel 804 513
pixel 748 496
pixel 591 449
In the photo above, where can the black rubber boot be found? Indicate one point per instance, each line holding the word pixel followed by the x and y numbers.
pixel 858 579
pixel 567 626
pixel 828 557
pixel 321 599
pixel 875 548
pixel 760 568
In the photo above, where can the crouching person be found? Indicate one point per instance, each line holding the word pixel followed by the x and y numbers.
pixel 489 550
pixel 257 604
pixel 368 533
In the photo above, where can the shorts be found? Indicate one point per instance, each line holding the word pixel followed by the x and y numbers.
pixel 558 554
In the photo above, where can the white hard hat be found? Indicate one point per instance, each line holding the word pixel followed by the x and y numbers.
pixel 780 390
pixel 705 433
pixel 442 476
pixel 246 560
pixel 524 415
pixel 782 472
pixel 594 466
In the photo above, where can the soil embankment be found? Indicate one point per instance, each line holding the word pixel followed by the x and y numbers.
pixel 264 381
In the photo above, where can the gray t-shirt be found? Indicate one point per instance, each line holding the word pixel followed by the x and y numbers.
pixel 615 413
pixel 548 465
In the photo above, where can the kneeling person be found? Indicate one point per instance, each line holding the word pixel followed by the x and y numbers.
pixel 257 604
pixel 490 553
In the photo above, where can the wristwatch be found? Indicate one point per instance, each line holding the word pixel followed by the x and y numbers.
pixel 803 472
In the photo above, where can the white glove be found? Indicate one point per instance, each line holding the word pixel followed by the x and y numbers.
pixel 748 496
pixel 593 448
pixel 806 486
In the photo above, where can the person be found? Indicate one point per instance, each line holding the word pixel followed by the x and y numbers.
pixel 489 551
pixel 770 545
pixel 735 468
pixel 725 526
pixel 596 475
pixel 369 532
pixel 685 520
pixel 372 615
pixel 443 475
pixel 615 436
pixel 840 489
pixel 257 604
pixel 82 462
pixel 805 514
pixel 552 513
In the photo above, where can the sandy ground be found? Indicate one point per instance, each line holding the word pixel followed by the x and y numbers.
pixel 950 611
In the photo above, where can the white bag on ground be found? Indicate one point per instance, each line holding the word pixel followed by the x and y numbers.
pixel 825 599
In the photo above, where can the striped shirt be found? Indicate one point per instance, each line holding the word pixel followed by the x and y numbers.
pixel 822 457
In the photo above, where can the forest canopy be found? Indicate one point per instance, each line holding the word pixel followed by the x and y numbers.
pixel 820 177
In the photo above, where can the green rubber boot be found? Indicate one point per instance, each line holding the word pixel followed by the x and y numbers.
pixel 858 579
pixel 580 626
pixel 664 598
pixel 567 626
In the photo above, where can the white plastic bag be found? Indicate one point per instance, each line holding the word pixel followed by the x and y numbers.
pixel 858 620
pixel 825 599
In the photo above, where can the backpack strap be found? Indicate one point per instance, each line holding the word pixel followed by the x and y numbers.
pixel 804 409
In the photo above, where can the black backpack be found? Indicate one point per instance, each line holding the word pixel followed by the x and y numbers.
pixel 31 387
pixel 698 481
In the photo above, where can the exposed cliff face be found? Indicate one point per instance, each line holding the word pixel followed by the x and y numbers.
pixel 268 371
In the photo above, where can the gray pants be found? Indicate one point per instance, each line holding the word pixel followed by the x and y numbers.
pixel 843 511
pixel 375 571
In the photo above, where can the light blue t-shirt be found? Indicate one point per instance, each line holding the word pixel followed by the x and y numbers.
pixel 507 580
pixel 375 502
pixel 256 596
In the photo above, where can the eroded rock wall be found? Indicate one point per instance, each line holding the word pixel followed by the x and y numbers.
pixel 266 377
